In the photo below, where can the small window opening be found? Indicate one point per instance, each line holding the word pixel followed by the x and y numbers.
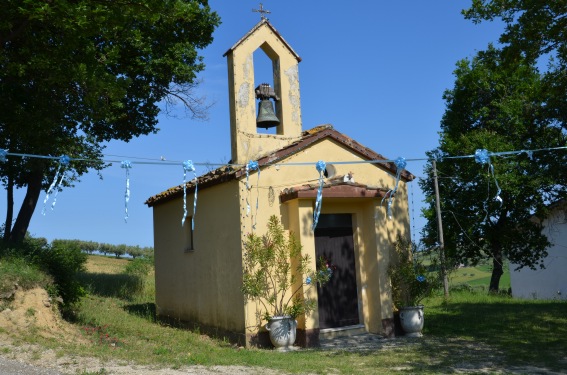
pixel 264 73
pixel 188 235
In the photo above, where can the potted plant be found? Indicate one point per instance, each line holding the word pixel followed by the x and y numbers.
pixel 275 276
pixel 411 283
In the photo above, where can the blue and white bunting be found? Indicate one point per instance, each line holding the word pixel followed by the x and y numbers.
pixel 127 165
pixel 252 166
pixel 400 166
pixel 63 162
pixel 320 166
pixel 188 167
pixel 482 156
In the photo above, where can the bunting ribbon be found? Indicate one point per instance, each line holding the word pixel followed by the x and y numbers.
pixel 126 164
pixel 188 167
pixel 63 162
pixel 252 166
pixel 320 166
pixel 482 156
pixel 400 166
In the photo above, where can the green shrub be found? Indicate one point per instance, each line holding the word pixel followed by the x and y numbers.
pixel 276 274
pixel 138 267
pixel 30 248
pixel 410 279
pixel 64 260
pixel 136 271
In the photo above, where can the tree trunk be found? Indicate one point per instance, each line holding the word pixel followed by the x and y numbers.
pixel 497 269
pixel 22 223
pixel 9 208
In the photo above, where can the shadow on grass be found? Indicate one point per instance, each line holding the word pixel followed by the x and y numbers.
pixel 524 332
pixel 143 310
pixel 121 285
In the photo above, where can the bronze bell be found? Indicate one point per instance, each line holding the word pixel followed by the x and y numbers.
pixel 266 115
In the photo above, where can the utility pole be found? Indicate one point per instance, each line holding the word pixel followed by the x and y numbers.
pixel 440 228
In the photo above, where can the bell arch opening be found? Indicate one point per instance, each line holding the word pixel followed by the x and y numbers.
pixel 266 72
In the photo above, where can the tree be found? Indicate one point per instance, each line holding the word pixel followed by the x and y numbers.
pixel 77 73
pixel 497 107
pixel 534 30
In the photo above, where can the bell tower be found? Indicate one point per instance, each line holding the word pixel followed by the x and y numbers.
pixel 276 107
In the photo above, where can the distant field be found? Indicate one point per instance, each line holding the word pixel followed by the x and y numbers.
pixel 104 264
pixel 478 276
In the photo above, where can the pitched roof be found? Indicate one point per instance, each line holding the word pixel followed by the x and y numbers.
pixel 308 138
pixel 253 30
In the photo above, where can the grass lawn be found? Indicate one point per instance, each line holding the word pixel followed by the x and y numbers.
pixel 469 331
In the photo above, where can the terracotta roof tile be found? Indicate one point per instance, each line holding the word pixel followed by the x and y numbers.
pixel 308 138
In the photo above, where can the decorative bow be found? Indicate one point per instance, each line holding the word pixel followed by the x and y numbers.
pixel 188 167
pixel 63 162
pixel 320 166
pixel 400 166
pixel 127 165
pixel 482 156
pixel 252 166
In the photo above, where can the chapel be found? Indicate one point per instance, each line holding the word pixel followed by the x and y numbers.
pixel 198 266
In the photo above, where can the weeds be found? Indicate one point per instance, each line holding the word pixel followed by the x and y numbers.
pixel 100 336
pixel 18 271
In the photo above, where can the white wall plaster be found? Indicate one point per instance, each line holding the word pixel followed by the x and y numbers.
pixel 247 67
pixel 293 78
pixel 551 282
pixel 243 94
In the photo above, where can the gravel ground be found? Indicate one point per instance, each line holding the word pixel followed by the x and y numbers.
pixel 32 360
pixel 12 367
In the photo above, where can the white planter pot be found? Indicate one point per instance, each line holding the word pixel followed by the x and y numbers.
pixel 282 330
pixel 411 318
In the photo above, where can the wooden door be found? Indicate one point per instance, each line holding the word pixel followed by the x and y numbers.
pixel 338 299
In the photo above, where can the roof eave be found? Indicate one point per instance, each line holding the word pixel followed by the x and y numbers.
pixel 256 27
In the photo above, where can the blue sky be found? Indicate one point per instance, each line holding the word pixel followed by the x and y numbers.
pixel 375 70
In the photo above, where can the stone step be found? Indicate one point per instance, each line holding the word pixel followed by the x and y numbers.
pixel 332 333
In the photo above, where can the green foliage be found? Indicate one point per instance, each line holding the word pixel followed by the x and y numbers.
pixel 77 73
pixel 64 261
pixel 139 267
pixel 118 251
pixel 536 31
pixel 19 271
pixel 410 279
pixel 16 265
pixel 497 106
pixel 137 270
pixel 54 266
pixel 276 274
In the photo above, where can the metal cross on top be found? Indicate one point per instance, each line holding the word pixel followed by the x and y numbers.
pixel 262 12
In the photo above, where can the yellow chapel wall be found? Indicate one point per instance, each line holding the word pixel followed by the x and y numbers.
pixel 201 285
pixel 374 238
pixel 204 285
